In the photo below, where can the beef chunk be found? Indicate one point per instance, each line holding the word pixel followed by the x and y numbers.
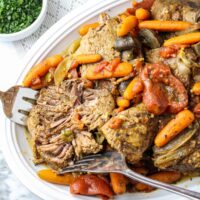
pixel 84 143
pixel 101 40
pixel 135 134
pixel 183 10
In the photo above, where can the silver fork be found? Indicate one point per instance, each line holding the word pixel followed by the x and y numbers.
pixel 17 102
pixel 115 162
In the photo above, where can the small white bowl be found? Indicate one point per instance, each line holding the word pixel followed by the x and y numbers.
pixel 29 30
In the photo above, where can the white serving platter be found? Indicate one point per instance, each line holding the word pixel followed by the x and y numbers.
pixel 16 149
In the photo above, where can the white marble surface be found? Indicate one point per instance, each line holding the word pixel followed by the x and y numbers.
pixel 10 187
pixel 10 68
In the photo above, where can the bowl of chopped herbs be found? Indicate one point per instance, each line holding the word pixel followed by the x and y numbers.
pixel 20 18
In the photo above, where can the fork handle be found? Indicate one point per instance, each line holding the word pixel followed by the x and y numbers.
pixel 171 188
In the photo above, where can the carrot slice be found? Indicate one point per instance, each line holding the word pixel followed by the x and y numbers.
pixel 182 120
pixel 164 25
pixel 189 38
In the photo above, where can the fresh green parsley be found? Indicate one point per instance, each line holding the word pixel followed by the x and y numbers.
pixel 16 15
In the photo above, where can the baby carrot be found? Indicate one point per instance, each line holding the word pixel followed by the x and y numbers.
pixel 167 26
pixel 196 88
pixel 88 58
pixel 182 120
pixel 142 14
pixel 41 69
pixel 123 69
pixel 165 177
pixel 123 103
pixel 118 182
pixel 134 87
pixel 50 176
pixel 127 25
pixel 189 38
pixel 85 28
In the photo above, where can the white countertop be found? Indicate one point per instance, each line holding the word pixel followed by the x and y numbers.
pixel 10 68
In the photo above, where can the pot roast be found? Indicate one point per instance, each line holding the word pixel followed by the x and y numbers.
pixel 61 122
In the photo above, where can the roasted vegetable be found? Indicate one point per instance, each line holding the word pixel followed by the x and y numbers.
pixel 127 55
pixel 41 69
pixel 127 25
pixel 50 176
pixel 87 58
pixel 172 155
pixel 85 28
pixel 123 69
pixel 91 185
pixel 164 26
pixel 150 38
pixel 118 182
pixel 165 177
pixel 190 38
pixel 134 88
pixel 125 43
pixel 182 120
pixel 123 85
pixel 142 14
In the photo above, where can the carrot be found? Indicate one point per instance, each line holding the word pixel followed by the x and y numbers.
pixel 100 66
pixel 164 25
pixel 127 25
pixel 189 38
pixel 41 69
pixel 50 176
pixel 196 88
pixel 114 63
pixel 142 14
pixel 85 28
pixel 165 177
pixel 88 58
pixel 123 69
pixel 123 103
pixel 118 182
pixel 182 120
pixel 134 88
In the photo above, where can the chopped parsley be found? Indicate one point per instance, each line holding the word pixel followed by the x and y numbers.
pixel 16 15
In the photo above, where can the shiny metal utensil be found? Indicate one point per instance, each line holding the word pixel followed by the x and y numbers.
pixel 115 162
pixel 17 102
